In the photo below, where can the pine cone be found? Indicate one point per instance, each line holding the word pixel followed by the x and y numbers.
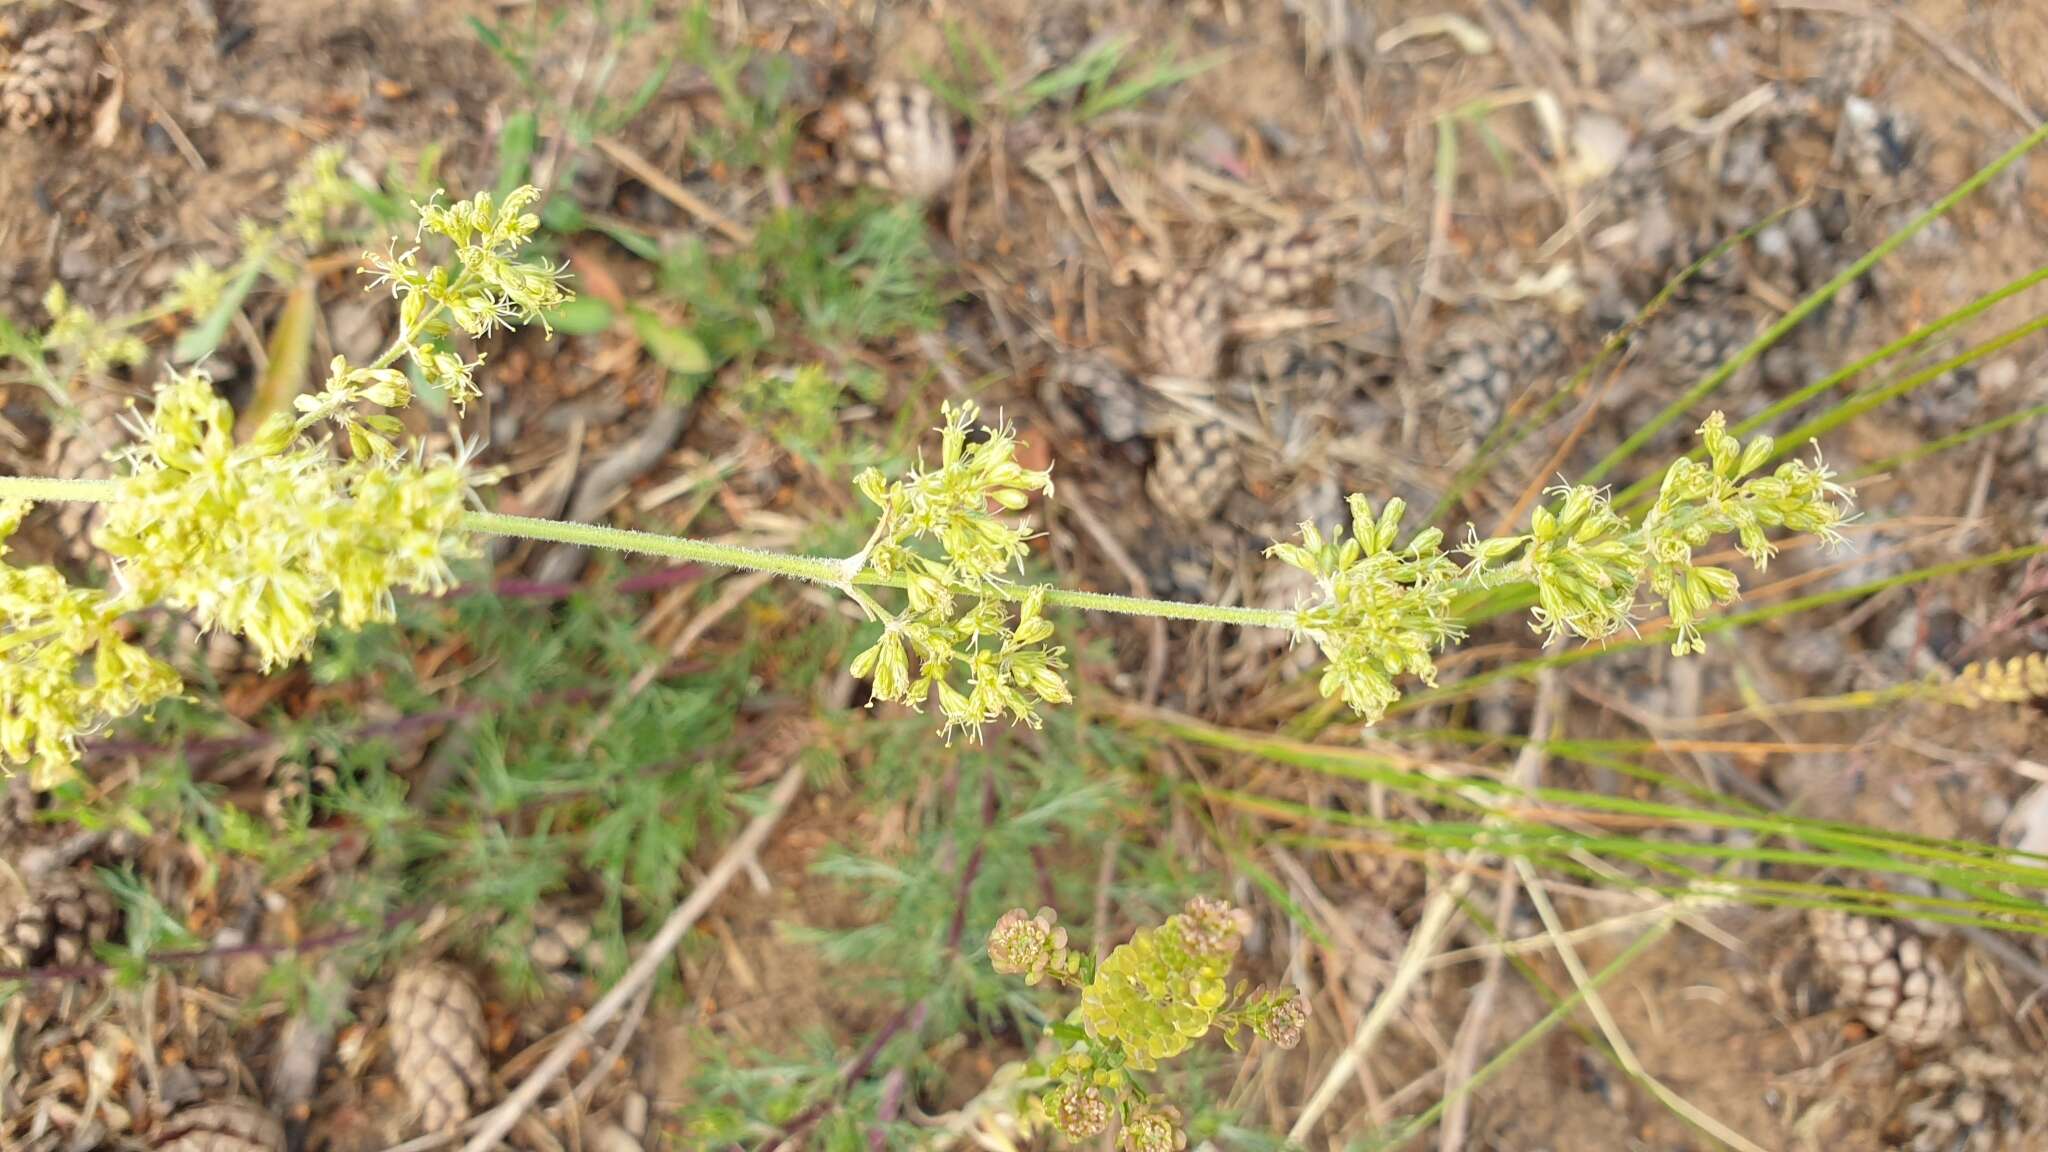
pixel 1539 347
pixel 1194 470
pixel 437 1035
pixel 1884 972
pixel 1325 367
pixel 1858 50
pixel 49 82
pixel 1105 395
pixel 1476 378
pixel 564 947
pixel 1268 269
pixel 230 1126
pixel 1699 342
pixel 64 915
pixel 1717 277
pixel 900 141
pixel 1971 1101
pixel 1184 327
pixel 1878 145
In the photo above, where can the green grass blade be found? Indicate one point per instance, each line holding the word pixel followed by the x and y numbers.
pixel 1954 440
pixel 1527 669
pixel 1812 303
pixel 1834 379
pixel 1863 402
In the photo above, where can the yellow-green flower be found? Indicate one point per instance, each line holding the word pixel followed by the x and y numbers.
pixel 1159 993
pixel 66 670
pixel 275 538
pixel 1153 1129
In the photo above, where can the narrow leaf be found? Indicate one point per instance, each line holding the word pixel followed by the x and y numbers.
pixel 582 316
pixel 289 351
pixel 676 349
pixel 199 342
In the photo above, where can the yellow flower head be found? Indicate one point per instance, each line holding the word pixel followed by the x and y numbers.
pixel 65 668
pixel 274 539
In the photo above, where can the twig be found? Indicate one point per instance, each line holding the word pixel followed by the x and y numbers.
pixel 1472 1031
pixel 671 191
pixel 1436 916
pixel 1527 773
pixel 500 1120
pixel 617 1048
pixel 1623 1052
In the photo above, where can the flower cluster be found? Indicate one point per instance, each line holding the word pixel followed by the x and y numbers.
pixel 1033 947
pixel 1702 500
pixel 275 538
pixel 65 667
pixel 1149 1000
pixel 315 193
pixel 271 538
pixel 978 643
pixel 95 345
pixel 1384 610
pixel 491 285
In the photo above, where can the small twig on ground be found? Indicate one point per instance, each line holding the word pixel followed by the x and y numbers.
pixel 587 1087
pixel 645 172
pixel 500 1120
pixel 1527 773
pixel 1624 1053
pixel 1436 917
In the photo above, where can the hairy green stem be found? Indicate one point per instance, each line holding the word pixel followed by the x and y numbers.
pixel 44 490
pixel 825 570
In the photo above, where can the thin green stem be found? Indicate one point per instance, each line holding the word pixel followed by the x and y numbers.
pixel 816 569
pixel 1857 405
pixel 41 490
pixel 826 570
pixel 1954 440
pixel 1527 668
